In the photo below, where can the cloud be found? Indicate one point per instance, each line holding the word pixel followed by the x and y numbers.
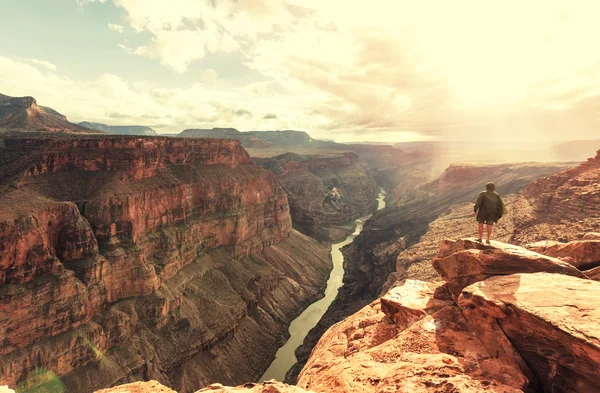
pixel 270 116
pixel 243 112
pixel 116 27
pixel 394 68
pixel 42 64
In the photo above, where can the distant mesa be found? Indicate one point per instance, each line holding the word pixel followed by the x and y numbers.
pixel 24 114
pixel 254 139
pixel 119 130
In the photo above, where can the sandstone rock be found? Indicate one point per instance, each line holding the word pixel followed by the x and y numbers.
pixel 125 258
pixel 430 348
pixel 412 301
pixel 266 387
pixel 23 113
pixel 552 320
pixel 594 273
pixel 463 262
pixel 591 236
pixel 138 387
pixel 583 254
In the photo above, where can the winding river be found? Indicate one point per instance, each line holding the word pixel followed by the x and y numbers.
pixel 299 328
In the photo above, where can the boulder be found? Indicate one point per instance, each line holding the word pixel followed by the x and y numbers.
pixel 583 254
pixel 463 262
pixel 592 236
pixel 266 387
pixel 138 387
pixel 594 273
pixel 413 301
pixel 428 348
pixel 552 320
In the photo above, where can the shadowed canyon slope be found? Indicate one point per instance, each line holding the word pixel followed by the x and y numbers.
pixel 23 113
pixel 135 258
pixel 326 193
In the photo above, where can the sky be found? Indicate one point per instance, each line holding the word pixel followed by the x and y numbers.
pixel 349 70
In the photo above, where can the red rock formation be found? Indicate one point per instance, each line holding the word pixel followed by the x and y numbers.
pixel 464 262
pixel 23 113
pixel 155 387
pixel 138 387
pixel 429 348
pixel 503 333
pixel 326 193
pixel 267 387
pixel 552 321
pixel 583 254
pixel 125 258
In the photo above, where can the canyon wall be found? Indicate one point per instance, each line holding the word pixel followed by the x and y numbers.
pixel 327 193
pixel 133 258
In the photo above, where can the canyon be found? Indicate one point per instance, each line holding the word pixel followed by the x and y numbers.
pixel 412 205
pixel 327 193
pixel 184 260
pixel 136 258
pixel 518 315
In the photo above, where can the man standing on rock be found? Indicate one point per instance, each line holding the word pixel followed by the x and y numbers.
pixel 489 208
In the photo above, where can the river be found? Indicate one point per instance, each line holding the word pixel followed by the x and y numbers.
pixel 299 328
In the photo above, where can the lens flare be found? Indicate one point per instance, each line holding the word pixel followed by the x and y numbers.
pixel 41 381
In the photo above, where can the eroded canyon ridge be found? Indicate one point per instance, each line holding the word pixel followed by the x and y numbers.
pixel 131 258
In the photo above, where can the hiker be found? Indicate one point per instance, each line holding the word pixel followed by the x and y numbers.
pixel 489 208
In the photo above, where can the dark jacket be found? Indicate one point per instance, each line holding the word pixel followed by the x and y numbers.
pixel 489 206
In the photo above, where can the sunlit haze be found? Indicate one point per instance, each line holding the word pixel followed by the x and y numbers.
pixel 380 70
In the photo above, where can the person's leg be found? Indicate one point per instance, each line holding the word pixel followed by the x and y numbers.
pixel 489 232
pixel 480 231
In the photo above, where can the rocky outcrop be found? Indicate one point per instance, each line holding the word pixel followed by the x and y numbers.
pixel 583 254
pixel 138 387
pixel 428 348
pixel 131 258
pixel 326 193
pixel 155 387
pixel 503 333
pixel 558 336
pixel 120 130
pixel 266 387
pixel 23 113
pixel 466 261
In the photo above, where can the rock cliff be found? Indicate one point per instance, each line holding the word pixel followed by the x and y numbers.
pixel 503 332
pixel 135 258
pixel 23 113
pixel 326 193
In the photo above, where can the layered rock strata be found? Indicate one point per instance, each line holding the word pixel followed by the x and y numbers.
pixel 326 193
pixel 24 113
pixel 126 259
